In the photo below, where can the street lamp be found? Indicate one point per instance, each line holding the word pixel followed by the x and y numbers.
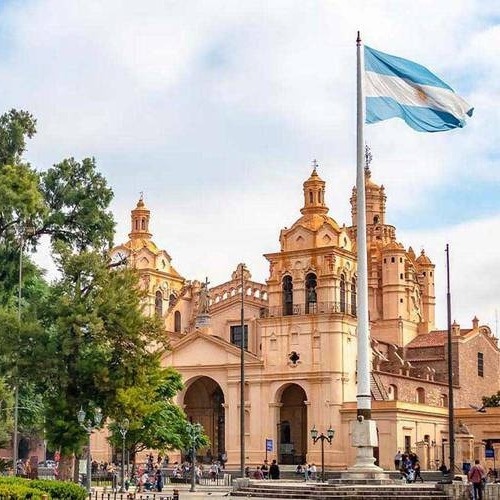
pixel 321 437
pixel 194 432
pixel 123 428
pixel 89 427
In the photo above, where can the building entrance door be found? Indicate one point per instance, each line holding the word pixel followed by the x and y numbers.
pixel 292 427
pixel 204 403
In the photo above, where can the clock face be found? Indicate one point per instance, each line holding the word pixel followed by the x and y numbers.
pixel 119 257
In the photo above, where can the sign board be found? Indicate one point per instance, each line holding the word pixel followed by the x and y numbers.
pixel 489 453
pixel 269 445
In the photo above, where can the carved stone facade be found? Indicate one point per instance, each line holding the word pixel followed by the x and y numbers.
pixel 300 343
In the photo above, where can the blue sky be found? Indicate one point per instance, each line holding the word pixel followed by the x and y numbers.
pixel 215 110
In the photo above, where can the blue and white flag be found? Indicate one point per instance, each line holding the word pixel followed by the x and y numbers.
pixel 396 87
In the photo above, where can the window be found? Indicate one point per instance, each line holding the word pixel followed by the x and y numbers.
pixel 480 364
pixel 159 304
pixel 311 296
pixel 342 293
pixel 392 392
pixel 177 322
pixel 236 336
pixel 353 297
pixel 393 260
pixel 287 296
pixel 420 395
pixel 444 400
pixel 407 444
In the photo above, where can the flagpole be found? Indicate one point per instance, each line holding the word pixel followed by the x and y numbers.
pixel 364 393
pixel 364 431
pixel 451 406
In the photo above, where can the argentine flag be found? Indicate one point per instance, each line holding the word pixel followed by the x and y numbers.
pixel 396 87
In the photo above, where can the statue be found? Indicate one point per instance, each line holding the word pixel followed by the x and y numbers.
pixel 204 298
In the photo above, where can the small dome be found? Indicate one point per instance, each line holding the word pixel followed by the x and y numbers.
pixel 423 259
pixel 393 245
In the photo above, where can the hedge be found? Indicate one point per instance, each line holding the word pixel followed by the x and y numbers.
pixel 35 488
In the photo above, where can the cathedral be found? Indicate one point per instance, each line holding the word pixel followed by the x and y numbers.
pixel 298 331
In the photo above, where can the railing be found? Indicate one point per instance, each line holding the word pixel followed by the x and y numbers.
pixel 311 308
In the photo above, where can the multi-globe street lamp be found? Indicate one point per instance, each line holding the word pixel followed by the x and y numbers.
pixel 321 437
pixel 123 428
pixel 89 425
pixel 194 432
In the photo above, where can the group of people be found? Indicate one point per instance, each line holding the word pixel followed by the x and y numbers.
pixel 409 466
pixel 309 471
pixel 264 471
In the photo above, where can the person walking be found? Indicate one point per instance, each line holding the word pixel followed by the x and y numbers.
pixel 397 460
pixel 476 475
pixel 417 470
pixel 274 470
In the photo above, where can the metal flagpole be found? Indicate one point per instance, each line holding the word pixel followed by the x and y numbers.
pixel 363 395
pixel 364 435
pixel 451 406
pixel 242 377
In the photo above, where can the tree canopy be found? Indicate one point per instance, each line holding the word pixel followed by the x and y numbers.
pixel 83 340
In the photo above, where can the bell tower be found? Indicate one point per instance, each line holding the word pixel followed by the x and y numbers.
pixel 140 221
pixel 314 194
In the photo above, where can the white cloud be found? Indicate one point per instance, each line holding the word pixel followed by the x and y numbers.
pixel 216 109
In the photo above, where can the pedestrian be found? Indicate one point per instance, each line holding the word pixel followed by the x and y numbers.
pixel 258 473
pixel 312 472
pixel 397 460
pixel 274 470
pixel 476 476
pixel 416 468
pixel 158 480
pixel 265 470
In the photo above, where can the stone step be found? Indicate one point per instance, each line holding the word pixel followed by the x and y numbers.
pixel 327 492
pixel 342 496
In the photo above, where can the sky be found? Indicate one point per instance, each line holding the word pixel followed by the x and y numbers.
pixel 215 110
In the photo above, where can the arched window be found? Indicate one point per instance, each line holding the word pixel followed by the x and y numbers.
pixel 392 392
pixel 444 400
pixel 177 322
pixel 159 304
pixel 375 219
pixel 287 296
pixel 143 224
pixel 311 296
pixel 420 395
pixel 353 297
pixel 310 196
pixel 171 300
pixel 342 294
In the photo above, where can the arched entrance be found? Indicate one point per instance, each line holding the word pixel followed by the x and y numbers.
pixel 204 403
pixel 292 426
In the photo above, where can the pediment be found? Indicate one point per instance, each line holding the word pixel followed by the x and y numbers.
pixel 201 349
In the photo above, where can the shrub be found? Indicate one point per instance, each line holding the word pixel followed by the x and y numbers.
pixel 20 491
pixel 54 489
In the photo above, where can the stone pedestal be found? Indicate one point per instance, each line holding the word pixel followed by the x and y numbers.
pixel 364 438
pixel 464 450
pixel 202 321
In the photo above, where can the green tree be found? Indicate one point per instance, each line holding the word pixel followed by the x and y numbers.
pixel 155 421
pixel 77 198
pixel 492 401
pixel 96 342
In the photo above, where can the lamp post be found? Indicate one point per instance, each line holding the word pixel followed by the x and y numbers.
pixel 89 426
pixel 321 437
pixel 123 428
pixel 194 432
pixel 27 230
